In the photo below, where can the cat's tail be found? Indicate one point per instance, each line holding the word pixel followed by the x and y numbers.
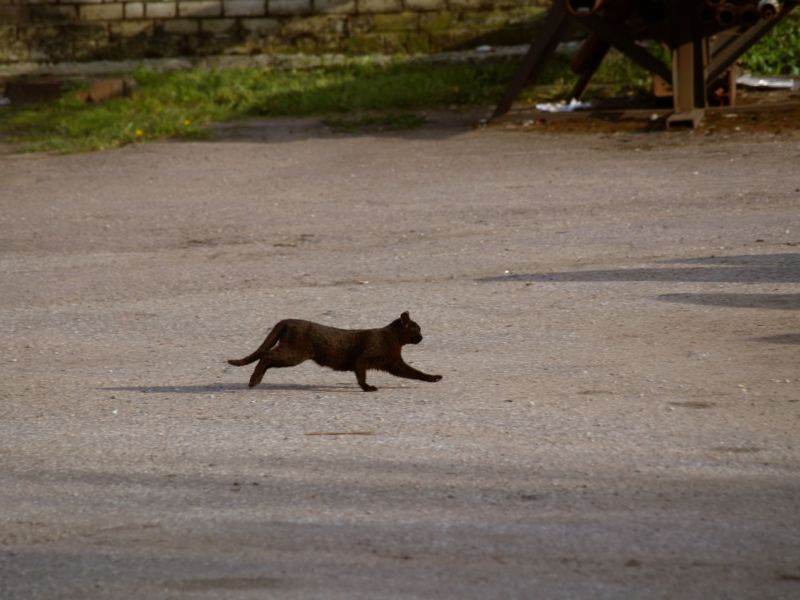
pixel 271 340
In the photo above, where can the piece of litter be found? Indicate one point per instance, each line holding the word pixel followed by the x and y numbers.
pixel 562 106
pixel 773 83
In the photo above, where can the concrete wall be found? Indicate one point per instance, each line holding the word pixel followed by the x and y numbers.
pixel 60 30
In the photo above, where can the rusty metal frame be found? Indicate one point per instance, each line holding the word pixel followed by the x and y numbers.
pixel 694 64
pixel 730 52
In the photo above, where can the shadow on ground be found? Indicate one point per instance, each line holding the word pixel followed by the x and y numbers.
pixel 786 338
pixel 227 388
pixel 774 301
pixel 760 268
pixel 433 124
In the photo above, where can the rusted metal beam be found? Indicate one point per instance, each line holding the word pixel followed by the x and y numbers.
pixel 583 81
pixel 540 51
pixel 623 42
pixel 731 52
pixel 586 61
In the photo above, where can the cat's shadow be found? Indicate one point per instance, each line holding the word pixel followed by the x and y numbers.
pixel 229 388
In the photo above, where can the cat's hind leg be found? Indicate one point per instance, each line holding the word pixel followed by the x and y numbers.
pixel 258 372
pixel 274 358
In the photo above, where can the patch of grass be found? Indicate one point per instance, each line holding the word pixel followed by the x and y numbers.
pixel 70 125
pixel 182 103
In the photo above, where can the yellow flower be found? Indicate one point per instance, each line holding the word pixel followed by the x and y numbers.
pixel 186 122
pixel 138 133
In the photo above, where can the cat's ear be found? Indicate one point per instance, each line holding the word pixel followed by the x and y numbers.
pixel 404 319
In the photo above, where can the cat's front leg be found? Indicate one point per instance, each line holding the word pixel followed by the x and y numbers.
pixel 400 369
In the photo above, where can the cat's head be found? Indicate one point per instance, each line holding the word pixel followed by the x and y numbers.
pixel 409 331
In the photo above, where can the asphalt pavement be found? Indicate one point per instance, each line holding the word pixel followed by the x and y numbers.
pixel 615 317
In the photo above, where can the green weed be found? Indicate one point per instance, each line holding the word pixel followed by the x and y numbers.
pixel 777 53
pixel 182 103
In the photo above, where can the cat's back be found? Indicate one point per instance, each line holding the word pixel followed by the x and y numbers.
pixel 303 326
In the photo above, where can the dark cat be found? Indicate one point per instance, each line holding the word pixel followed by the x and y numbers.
pixel 340 349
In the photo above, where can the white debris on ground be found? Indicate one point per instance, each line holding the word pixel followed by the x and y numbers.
pixel 775 83
pixel 563 106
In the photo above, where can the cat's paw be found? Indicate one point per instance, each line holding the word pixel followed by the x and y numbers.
pixel 435 378
pixel 369 388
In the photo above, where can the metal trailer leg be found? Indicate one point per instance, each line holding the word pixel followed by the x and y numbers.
pixel 689 60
